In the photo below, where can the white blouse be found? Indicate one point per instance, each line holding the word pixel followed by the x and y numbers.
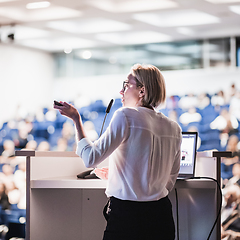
pixel 144 150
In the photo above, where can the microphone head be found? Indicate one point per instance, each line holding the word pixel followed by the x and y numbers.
pixel 109 106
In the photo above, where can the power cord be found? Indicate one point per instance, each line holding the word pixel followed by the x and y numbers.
pixel 220 205
pixel 176 195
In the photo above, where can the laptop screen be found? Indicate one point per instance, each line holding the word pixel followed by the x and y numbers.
pixel 188 158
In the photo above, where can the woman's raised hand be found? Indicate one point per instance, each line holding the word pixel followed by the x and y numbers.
pixel 68 110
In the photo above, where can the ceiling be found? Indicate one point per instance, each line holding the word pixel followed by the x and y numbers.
pixel 64 25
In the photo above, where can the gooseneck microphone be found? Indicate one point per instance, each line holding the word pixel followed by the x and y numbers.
pixel 88 174
pixel 107 111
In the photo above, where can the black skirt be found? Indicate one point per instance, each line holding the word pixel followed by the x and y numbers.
pixel 130 220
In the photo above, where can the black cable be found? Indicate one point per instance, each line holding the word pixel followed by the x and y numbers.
pixel 220 205
pixel 177 213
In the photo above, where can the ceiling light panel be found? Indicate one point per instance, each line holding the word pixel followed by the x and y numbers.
pixel 222 1
pixel 133 37
pixel 94 25
pixel 35 5
pixel 176 18
pixel 27 15
pixel 235 9
pixel 185 31
pixel 58 44
pixel 2 1
pixel 133 6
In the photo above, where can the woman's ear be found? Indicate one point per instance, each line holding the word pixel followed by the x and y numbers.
pixel 142 92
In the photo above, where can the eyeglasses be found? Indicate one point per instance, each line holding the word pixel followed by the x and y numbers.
pixel 126 83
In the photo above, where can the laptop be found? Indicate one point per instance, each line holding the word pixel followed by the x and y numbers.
pixel 188 156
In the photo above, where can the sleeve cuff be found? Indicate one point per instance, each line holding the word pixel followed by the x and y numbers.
pixel 81 145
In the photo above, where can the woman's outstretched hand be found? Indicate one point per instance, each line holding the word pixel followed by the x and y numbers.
pixel 68 110
pixel 71 112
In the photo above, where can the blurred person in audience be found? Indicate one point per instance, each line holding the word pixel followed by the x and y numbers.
pixel 21 113
pixel 90 130
pixel 230 221
pixel 8 148
pixel 226 123
pixel 172 102
pixel 230 93
pixel 13 193
pixel 234 105
pixel 4 202
pixel 68 132
pixel 173 115
pixel 20 183
pixel 203 101
pixel 31 145
pixel 235 179
pixel 51 115
pixel 227 163
pixel 43 146
pixel 24 129
pixel 22 200
pixel 6 176
pixel 230 200
pixel 19 177
pixel 189 101
pixel 195 129
pixel 190 116
pixel 218 99
pixel 39 115
pixel 62 145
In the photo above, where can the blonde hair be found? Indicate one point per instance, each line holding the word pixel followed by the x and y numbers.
pixel 150 77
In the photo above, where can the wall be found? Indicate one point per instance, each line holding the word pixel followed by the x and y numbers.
pixel 26 78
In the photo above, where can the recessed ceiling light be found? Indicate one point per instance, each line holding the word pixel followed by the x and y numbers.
pixel 86 54
pixel 35 5
pixel 57 44
pixel 94 25
pixel 6 1
pixel 235 9
pixel 177 18
pixel 185 31
pixel 134 37
pixel 133 6
pixel 222 1
pixel 67 50
pixel 24 15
